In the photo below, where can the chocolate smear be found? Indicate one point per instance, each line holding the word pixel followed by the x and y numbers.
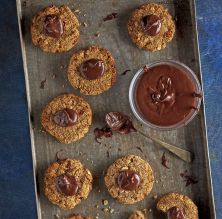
pixel 42 84
pixel 189 179
pixel 109 17
pixel 103 132
pixel 164 161
pixel 140 149
pixel 125 72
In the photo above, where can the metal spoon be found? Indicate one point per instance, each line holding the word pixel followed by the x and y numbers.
pixel 181 153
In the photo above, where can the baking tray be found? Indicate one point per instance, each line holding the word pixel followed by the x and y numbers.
pixel 50 70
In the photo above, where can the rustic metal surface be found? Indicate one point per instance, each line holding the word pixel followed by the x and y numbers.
pixel 113 35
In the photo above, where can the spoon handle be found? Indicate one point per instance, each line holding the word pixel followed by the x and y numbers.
pixel 181 153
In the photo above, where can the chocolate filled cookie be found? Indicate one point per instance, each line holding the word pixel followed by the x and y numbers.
pixel 137 215
pixel 92 70
pixel 129 179
pixel 67 183
pixel 178 206
pixel 77 216
pixel 67 118
pixel 55 29
pixel 151 27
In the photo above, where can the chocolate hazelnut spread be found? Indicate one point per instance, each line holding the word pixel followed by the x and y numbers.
pixel 53 26
pixel 128 180
pixel 92 69
pixel 151 24
pixel 165 95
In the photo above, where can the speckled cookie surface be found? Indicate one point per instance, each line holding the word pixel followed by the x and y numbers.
pixel 79 217
pixel 92 87
pixel 68 134
pixel 70 34
pixel 178 200
pixel 74 168
pixel 144 41
pixel 137 215
pixel 133 163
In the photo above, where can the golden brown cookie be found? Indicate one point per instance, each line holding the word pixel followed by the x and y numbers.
pixel 92 70
pixel 67 183
pixel 151 27
pixel 175 203
pixel 137 215
pixel 129 179
pixel 67 118
pixel 79 217
pixel 55 29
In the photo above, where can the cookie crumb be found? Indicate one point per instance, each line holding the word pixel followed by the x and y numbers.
pixel 85 24
pixel 155 197
pixel 97 34
pixel 105 202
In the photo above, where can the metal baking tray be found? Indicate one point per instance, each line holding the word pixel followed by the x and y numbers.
pixel 50 70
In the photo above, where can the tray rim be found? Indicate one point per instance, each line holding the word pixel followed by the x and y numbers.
pixel 203 117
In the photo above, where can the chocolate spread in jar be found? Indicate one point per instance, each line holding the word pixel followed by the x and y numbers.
pixel 165 95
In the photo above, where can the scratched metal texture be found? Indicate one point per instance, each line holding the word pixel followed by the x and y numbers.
pixel 16 185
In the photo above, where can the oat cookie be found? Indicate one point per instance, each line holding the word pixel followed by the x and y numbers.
pixel 178 204
pixel 92 70
pixel 55 29
pixel 67 183
pixel 129 179
pixel 67 118
pixel 137 215
pixel 79 217
pixel 151 27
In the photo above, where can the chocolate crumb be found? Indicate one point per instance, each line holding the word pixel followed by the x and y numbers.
pixel 164 161
pixel 126 71
pixel 119 122
pixel 42 85
pixel 107 154
pixel 99 133
pixel 189 179
pixel 110 16
pixel 140 149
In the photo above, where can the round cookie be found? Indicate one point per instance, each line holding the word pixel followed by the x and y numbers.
pixel 151 27
pixel 92 70
pixel 137 215
pixel 175 203
pixel 67 118
pixel 79 217
pixel 129 179
pixel 67 183
pixel 55 29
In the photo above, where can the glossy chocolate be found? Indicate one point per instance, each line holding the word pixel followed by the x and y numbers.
pixel 66 184
pixel 119 122
pixel 164 95
pixel 151 25
pixel 53 26
pixel 128 180
pixel 66 117
pixel 92 69
pixel 175 213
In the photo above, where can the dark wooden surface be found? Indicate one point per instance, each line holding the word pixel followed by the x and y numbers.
pixel 17 194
